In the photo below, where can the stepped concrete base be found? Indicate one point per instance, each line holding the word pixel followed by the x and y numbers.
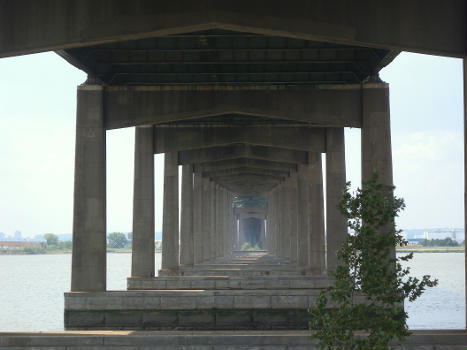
pixel 190 309
pixel 213 340
pixel 226 282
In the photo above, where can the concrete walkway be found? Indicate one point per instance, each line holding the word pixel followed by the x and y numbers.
pixel 200 340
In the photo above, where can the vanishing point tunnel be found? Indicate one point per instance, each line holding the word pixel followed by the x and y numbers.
pixel 248 98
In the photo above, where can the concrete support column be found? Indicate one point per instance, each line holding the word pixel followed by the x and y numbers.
pixel 88 271
pixel 293 215
pixel 205 221
pixel 170 231
pixel 281 221
pixel 212 190
pixel 219 219
pixel 274 220
pixel 262 237
pixel 376 134
pixel 186 224
pixel 317 261
pixel 303 217
pixel 336 224
pixel 197 216
pixel 142 258
pixel 465 171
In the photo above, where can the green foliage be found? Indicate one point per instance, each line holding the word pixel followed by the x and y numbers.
pixel 51 239
pixel 446 242
pixel 117 240
pixel 247 246
pixel 363 309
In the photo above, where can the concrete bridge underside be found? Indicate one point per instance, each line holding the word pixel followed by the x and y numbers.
pixel 248 97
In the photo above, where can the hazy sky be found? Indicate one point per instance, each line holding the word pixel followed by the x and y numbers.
pixel 37 138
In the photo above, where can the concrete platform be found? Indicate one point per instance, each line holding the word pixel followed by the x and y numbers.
pixel 190 309
pixel 213 340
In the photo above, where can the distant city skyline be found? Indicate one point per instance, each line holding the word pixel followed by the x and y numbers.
pixel 37 133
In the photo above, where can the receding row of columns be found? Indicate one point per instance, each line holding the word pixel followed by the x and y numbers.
pixel 296 218
pixel 295 227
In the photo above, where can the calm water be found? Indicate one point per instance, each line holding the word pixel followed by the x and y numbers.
pixel 32 286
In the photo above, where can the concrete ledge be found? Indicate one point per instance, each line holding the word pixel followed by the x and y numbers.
pixel 191 299
pixel 225 282
pixel 202 340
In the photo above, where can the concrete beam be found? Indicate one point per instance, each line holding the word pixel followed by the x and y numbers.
pixel 241 151
pixel 427 26
pixel 322 105
pixel 245 162
pixel 302 138
pixel 246 170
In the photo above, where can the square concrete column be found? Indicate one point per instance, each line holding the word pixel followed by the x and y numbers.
pixel 213 232
pixel 336 224
pixel 186 224
pixel 317 260
pixel 262 238
pixel 280 221
pixel 170 230
pixel 303 215
pixel 197 215
pixel 376 134
pixel 220 221
pixel 293 217
pixel 142 258
pixel 88 272
pixel 465 170
pixel 206 220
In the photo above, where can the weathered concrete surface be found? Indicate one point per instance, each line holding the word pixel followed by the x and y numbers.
pixel 170 247
pixel 228 282
pixel 186 223
pixel 89 205
pixel 142 258
pixel 211 154
pixel 323 105
pixel 336 224
pixel 184 138
pixel 317 260
pixel 427 26
pixel 197 213
pixel 230 164
pixel 206 340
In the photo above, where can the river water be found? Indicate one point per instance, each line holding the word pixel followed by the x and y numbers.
pixel 32 287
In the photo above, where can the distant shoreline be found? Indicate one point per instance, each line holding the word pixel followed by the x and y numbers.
pixel 55 252
pixel 430 250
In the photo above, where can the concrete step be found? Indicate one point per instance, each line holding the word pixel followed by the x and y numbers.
pixel 227 282
pixel 212 340
pixel 190 309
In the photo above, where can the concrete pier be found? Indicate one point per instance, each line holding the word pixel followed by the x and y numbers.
pixel 142 258
pixel 88 270
pixel 186 223
pixel 170 230
pixel 317 261
pixel 336 225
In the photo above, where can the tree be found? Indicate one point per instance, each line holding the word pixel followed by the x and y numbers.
pixel 117 240
pixel 51 239
pixel 363 308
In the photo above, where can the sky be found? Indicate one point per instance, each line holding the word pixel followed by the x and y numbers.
pixel 37 139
